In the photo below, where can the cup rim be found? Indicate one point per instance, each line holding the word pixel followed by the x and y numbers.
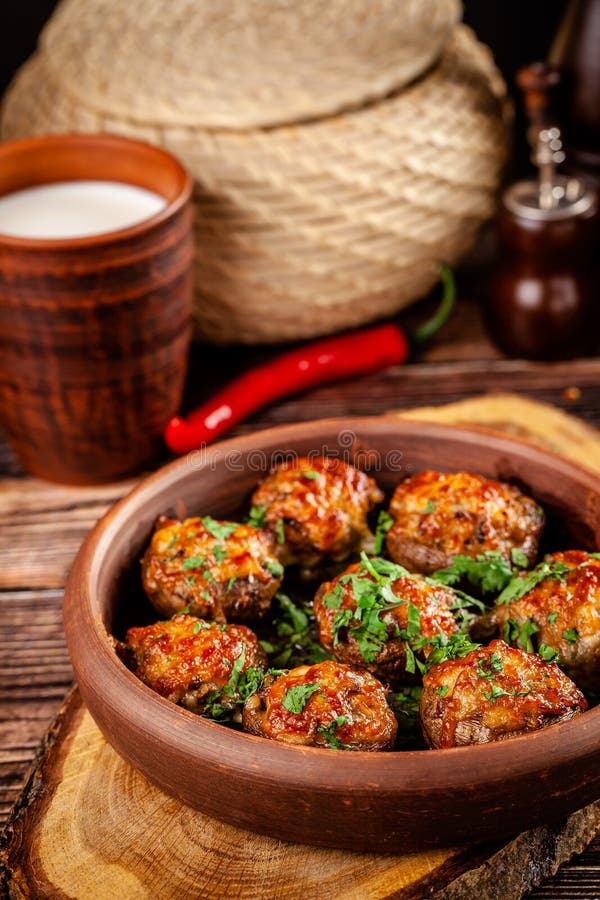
pixel 105 237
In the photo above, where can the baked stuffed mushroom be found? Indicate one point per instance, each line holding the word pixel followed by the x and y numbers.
pixel 324 705
pixel 559 615
pixel 206 667
pixel 317 508
pixel 440 515
pixel 212 569
pixel 375 614
pixel 494 693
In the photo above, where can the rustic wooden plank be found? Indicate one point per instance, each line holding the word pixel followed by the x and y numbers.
pixel 35 673
pixel 42 525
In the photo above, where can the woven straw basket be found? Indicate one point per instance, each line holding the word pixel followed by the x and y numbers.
pixel 310 228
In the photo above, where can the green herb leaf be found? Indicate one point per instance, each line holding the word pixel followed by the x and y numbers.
pixel 522 584
pixel 384 523
pixel 220 530
pixel 488 668
pixel 172 542
pixel 571 635
pixel 528 628
pixel 429 508
pixel 274 567
pixel 443 648
pixel 218 553
pixel 518 558
pixel 552 618
pixel 309 473
pixel 488 571
pixel 257 517
pixel 333 741
pixel 192 562
pixel 495 692
pixel 442 690
pixel 296 697
pixel 294 643
pixel 280 531
pixel 547 653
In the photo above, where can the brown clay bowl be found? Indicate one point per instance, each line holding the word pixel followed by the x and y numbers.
pixel 394 802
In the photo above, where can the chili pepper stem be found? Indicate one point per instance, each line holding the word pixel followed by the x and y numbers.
pixel 425 331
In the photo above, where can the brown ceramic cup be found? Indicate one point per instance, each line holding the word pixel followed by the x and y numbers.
pixel 94 331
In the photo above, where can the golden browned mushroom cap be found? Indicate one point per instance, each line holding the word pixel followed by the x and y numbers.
pixel 324 705
pixel 200 665
pixel 396 612
pixel 212 569
pixel 560 613
pixel 318 508
pixel 494 693
pixel 439 515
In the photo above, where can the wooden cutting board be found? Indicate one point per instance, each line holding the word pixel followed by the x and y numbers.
pixel 88 826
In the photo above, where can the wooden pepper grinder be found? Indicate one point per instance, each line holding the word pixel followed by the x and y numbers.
pixel 543 291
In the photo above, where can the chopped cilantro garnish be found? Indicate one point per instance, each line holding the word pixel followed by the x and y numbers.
pixel 384 523
pixel 310 473
pixel 454 647
pixel 520 633
pixel 280 531
pixel 190 579
pixel 257 517
pixel 488 668
pixel 192 562
pixel 293 644
pixel 552 618
pixel 220 530
pixel 190 535
pixel 218 553
pixel 518 558
pixel 172 542
pixel 528 627
pixel 333 742
pixel 242 684
pixel 522 584
pixel 442 690
pixel 489 571
pixel 429 508
pixel 274 567
pixel 547 653
pixel 571 635
pixel 296 697
pixel 495 692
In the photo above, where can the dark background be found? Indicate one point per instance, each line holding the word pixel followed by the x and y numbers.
pixel 518 31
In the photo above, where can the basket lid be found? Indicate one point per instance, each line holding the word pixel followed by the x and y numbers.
pixel 241 63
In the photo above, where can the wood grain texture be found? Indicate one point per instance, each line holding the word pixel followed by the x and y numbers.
pixel 41 526
pixel 90 827
pixel 94 331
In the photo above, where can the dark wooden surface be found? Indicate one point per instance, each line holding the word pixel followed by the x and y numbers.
pixel 42 526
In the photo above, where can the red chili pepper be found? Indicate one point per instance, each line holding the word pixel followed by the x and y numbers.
pixel 331 359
